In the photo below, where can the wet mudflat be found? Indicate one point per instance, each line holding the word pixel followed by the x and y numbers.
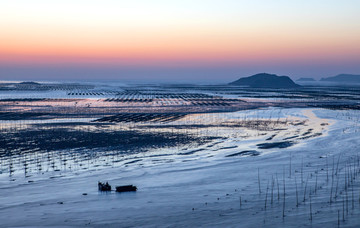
pixel 218 156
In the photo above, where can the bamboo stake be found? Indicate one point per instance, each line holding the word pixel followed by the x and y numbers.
pixel 266 195
pixel 272 189
pixel 297 198
pixel 278 187
pixel 283 214
pixel 259 180
pixel 305 188
pixel 310 205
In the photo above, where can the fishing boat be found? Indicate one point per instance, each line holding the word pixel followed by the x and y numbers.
pixel 104 187
pixel 126 188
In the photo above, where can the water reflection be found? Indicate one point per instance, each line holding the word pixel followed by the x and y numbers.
pixel 36 147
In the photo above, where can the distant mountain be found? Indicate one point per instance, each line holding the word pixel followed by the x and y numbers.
pixel 343 78
pixel 29 83
pixel 306 80
pixel 265 80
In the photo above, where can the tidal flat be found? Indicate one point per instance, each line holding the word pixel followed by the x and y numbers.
pixel 201 156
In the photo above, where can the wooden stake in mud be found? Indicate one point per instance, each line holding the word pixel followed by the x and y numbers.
pixel 316 181
pixel 267 189
pixel 278 188
pixel 305 188
pixel 347 202
pixel 352 193
pixel 310 206
pixel 327 170
pixel 297 196
pixel 259 180
pixel 331 189
pixel 272 189
pixel 343 209
pixel 290 166
pixel 337 186
pixel 302 166
pixel 283 213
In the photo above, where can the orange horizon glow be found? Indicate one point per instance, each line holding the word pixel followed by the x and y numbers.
pixel 25 46
pixel 139 33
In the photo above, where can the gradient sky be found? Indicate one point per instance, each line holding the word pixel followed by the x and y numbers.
pixel 187 40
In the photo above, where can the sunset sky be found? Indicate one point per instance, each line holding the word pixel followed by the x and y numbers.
pixel 168 40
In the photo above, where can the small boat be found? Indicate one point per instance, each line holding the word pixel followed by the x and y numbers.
pixel 104 187
pixel 126 188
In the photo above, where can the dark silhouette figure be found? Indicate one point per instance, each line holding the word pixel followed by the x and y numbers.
pixel 104 187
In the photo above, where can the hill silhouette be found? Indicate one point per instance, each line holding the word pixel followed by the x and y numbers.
pixel 29 83
pixel 343 78
pixel 265 80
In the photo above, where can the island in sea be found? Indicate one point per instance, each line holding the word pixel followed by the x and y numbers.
pixel 343 78
pixel 265 80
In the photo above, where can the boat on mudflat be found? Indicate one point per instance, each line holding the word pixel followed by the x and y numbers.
pixel 126 188
pixel 104 187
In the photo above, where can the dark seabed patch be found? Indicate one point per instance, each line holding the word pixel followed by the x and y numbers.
pixel 283 144
pixel 311 136
pixel 44 139
pixel 133 161
pixel 191 152
pixel 214 144
pixel 21 115
pixel 228 147
pixel 308 132
pixel 271 137
pixel 245 153
pixel 291 137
